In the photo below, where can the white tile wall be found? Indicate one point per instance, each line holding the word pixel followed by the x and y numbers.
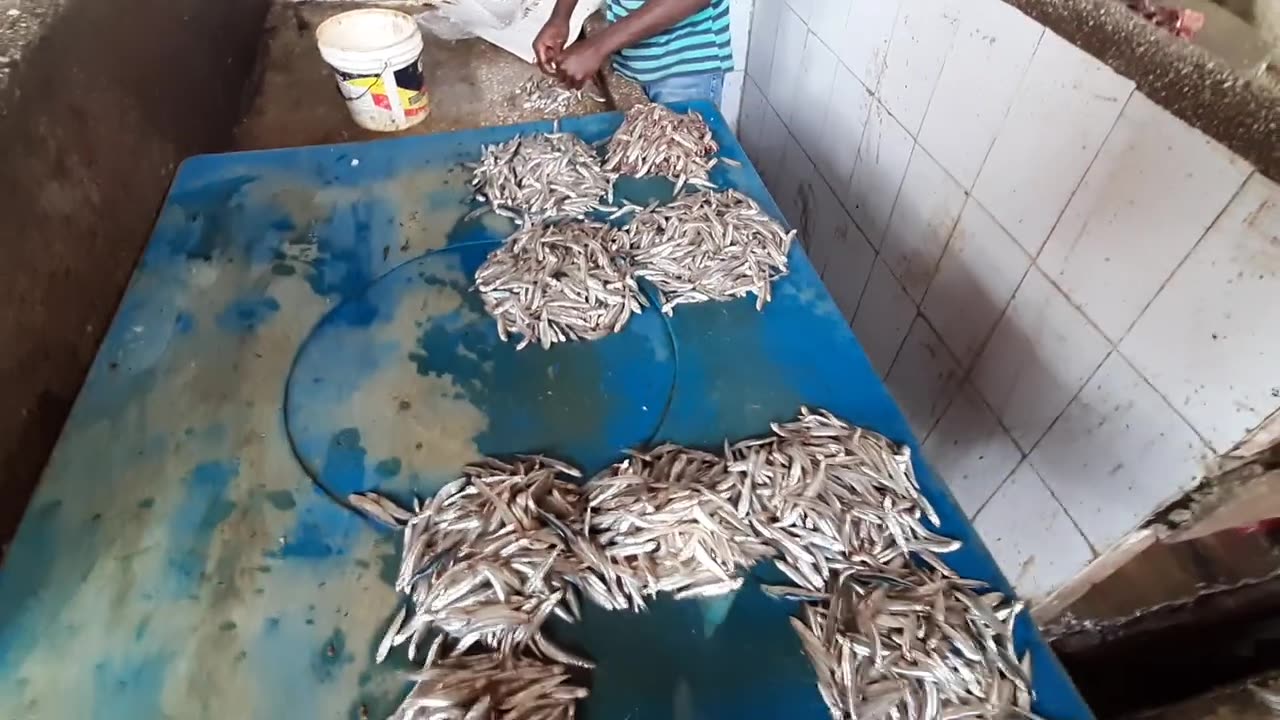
pixel 1154 189
pixel 849 259
pixel 883 318
pixel 731 99
pixel 1030 536
pixel 970 451
pixel 928 206
pixel 1067 104
pixel 751 119
pixel 784 74
pixel 921 38
pixel 999 319
pixel 992 50
pixel 863 42
pixel 765 16
pixel 1042 351
pixel 1210 340
pixel 979 271
pixel 835 148
pixel 1118 453
pixel 882 160
pixel 813 92
pixel 924 377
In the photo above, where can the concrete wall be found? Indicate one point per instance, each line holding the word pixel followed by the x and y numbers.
pixel 99 102
pixel 1071 293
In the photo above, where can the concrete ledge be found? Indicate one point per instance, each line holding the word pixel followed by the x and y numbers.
pixel 1185 79
pixel 98 103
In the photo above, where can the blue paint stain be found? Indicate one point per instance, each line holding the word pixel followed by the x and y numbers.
pixel 184 323
pixel 204 505
pixel 246 315
pixel 137 685
pixel 343 470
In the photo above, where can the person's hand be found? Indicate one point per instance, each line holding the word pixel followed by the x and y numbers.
pixel 580 62
pixel 548 46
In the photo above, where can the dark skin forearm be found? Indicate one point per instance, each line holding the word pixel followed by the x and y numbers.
pixel 652 18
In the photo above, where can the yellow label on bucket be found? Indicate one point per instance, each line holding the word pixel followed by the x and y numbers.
pixel 414 101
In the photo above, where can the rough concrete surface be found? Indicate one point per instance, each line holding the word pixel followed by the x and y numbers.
pixel 470 83
pixel 1240 113
pixel 99 103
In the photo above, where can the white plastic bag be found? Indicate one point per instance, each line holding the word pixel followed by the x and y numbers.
pixel 509 24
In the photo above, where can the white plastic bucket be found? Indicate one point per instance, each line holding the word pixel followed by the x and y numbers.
pixel 376 56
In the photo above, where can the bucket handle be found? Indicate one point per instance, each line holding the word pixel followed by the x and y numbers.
pixel 369 89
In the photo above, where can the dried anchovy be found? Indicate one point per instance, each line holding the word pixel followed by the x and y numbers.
pixel 708 246
pixel 899 642
pixel 541 177
pixel 554 283
pixel 491 686
pixel 549 95
pixel 658 524
pixel 654 140
pixel 828 496
pixel 486 560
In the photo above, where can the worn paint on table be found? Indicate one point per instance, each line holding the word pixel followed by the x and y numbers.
pixel 301 323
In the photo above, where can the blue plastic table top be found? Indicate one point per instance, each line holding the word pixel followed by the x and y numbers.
pixel 301 324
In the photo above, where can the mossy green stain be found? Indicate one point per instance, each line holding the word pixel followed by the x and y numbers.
pixel 146 503
pixel 388 468
pixel 227 626
pixel 332 655
pixel 281 499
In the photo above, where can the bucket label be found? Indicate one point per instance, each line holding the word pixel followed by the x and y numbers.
pixel 412 89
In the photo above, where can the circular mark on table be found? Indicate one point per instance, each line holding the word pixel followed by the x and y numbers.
pixel 398 388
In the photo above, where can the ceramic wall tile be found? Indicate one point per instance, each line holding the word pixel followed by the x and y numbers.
pixel 751 119
pixel 922 36
pixel 863 43
pixel 1117 454
pixel 835 148
pixel 924 215
pixel 882 160
pixel 740 31
pixel 765 17
pixel 979 271
pixel 883 318
pixel 1210 342
pixel 1154 189
pixel 849 257
pixel 988 58
pixel 813 93
pixel 970 451
pixel 1039 356
pixel 1065 108
pixel 1030 536
pixel 731 99
pixel 788 55
pixel 924 378
pixel 773 141
pixel 794 193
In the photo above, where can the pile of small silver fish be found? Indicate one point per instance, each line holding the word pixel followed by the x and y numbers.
pixel 662 524
pixel 551 96
pixel 707 246
pixel 554 283
pixel 542 177
pixel 828 496
pixel 655 140
pixel 486 560
pixel 836 507
pixel 898 642
pixel 491 686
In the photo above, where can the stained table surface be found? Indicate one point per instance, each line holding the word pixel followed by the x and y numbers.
pixel 300 326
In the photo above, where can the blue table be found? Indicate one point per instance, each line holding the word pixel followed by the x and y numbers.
pixel 300 325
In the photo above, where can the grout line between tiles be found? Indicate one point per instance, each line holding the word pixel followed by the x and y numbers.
pixel 1004 120
pixel 983 505
pixel 1035 257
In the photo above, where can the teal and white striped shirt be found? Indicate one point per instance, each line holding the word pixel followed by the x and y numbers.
pixel 696 45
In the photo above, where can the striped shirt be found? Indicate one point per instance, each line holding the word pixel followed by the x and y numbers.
pixel 697 45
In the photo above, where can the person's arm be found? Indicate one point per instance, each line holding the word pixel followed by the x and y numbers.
pixel 554 35
pixel 581 61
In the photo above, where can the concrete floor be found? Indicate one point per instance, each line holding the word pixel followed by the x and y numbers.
pixel 470 84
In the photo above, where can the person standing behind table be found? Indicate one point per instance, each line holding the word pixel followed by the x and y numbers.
pixel 675 49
